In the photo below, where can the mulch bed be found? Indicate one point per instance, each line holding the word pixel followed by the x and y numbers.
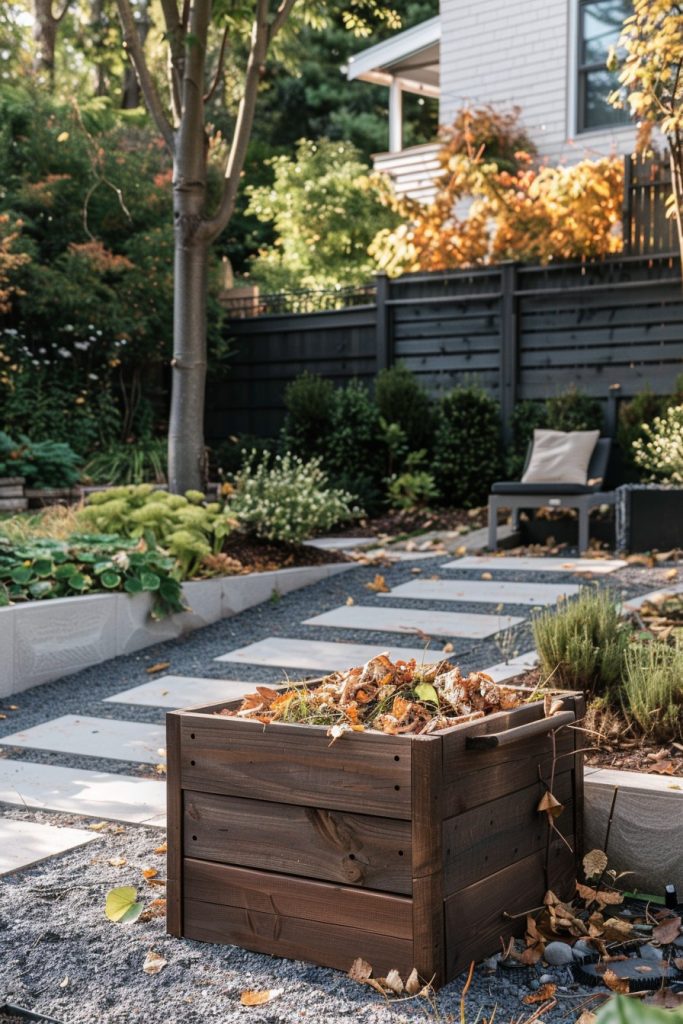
pixel 242 554
pixel 401 521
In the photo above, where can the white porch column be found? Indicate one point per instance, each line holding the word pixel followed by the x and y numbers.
pixel 395 116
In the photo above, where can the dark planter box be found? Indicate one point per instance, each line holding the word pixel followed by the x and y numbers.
pixel 21 1014
pixel 404 851
pixel 565 530
pixel 649 517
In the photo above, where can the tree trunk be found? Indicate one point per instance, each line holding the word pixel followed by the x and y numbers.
pixel 676 164
pixel 186 456
pixel 45 35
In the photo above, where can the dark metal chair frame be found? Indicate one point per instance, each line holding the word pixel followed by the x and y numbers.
pixel 584 498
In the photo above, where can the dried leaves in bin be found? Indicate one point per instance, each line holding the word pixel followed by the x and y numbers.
pixel 390 697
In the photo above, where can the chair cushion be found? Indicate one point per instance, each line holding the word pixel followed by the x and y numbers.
pixel 560 457
pixel 515 487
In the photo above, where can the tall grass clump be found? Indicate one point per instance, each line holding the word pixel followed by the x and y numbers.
pixel 652 689
pixel 582 643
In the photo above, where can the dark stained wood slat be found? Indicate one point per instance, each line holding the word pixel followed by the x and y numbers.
pixel 474 916
pixel 319 942
pixel 428 926
pixel 174 826
pixel 298 898
pixel 487 838
pixel 296 764
pixel 335 846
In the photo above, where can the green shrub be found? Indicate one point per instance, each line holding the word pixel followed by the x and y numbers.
pixel 310 403
pixel 188 527
pixel 226 457
pixel 401 399
pixel 286 499
pixel 660 449
pixel 42 463
pixel 412 489
pixel 129 462
pixel 572 410
pixel 355 454
pixel 42 568
pixel 639 411
pixel 581 643
pixel 467 446
pixel 652 695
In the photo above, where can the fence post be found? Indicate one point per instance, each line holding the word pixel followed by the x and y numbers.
pixel 383 323
pixel 627 205
pixel 509 347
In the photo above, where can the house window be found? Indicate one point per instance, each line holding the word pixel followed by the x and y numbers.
pixel 600 24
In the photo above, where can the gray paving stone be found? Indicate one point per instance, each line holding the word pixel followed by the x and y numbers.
pixel 596 566
pixel 181 692
pixel 484 591
pixel 94 737
pixel 409 620
pixel 23 843
pixel 318 655
pixel 77 791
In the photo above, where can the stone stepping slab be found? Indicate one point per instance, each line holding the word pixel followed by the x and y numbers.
pixel 340 543
pixel 94 737
pixel 319 655
pixel 181 692
pixel 408 620
pixel 77 791
pixel 483 591
pixel 23 843
pixel 515 666
pixel 596 566
pixel 653 595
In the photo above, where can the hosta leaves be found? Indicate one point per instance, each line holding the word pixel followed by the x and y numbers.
pixel 110 579
pixel 77 581
pixel 150 581
pixel 21 575
pixel 133 585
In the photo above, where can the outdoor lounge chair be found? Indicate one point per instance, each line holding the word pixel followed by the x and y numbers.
pixel 516 495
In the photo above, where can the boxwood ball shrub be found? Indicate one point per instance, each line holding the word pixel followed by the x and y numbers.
pixel 283 498
pixel 401 399
pixel 467 446
pixel 309 401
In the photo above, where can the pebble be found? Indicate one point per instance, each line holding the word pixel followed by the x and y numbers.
pixel 535 984
pixel 558 953
pixel 581 949
pixel 649 952
pixel 546 979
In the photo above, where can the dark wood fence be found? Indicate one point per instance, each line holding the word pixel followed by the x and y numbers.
pixel 646 227
pixel 523 332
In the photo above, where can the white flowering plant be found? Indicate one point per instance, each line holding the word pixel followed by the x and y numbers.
pixel 286 499
pixel 660 450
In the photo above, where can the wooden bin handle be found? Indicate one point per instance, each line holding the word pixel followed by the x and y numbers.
pixel 487 741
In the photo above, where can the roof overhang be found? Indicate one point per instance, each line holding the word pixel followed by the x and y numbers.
pixel 410 58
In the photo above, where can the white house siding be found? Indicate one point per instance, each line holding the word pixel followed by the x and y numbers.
pixel 521 53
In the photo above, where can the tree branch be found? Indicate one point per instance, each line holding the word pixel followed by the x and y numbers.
pixel 60 16
pixel 281 14
pixel 260 37
pixel 131 42
pixel 175 34
pixel 219 67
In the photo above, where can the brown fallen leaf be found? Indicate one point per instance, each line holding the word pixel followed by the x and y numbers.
pixel 601 896
pixel 550 804
pixel 667 999
pixel 350 601
pixel 393 982
pixel 487 575
pixel 160 769
pixel 250 997
pixel 615 983
pixel 360 970
pixel 671 574
pixel 161 849
pixel 118 862
pixel 447 648
pixel 149 873
pixel 667 930
pixel 594 863
pixel 541 995
pixel 587 1017
pixel 97 826
pixel 159 666
pixel 378 585
pixel 413 984
pixel 154 962
pixel 678 962
pixel 616 930
pixel 157 908
pixel 662 768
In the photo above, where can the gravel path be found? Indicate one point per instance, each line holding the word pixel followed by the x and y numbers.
pixel 61 956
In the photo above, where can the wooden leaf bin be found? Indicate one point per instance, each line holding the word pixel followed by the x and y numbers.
pixel 403 850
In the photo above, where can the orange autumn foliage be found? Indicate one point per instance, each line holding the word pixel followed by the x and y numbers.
pixel 495 202
pixel 9 262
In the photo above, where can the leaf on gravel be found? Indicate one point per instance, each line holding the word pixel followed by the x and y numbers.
pixel 460 551
pixel 393 982
pixel 601 896
pixel 160 769
pixel 64 982
pixel 448 648
pixel 161 849
pixel 487 576
pixel 154 962
pixel 360 970
pixel 378 585
pixel 118 862
pixel 413 984
pixel 158 667
pixel 157 908
pixel 668 1000
pixel 149 873
pixel 350 601
pixel 643 969
pixel 541 995
pixel 667 930
pixel 121 905
pixel 250 997
pixel 671 574
pixel 594 863
pixel 97 826
pixel 587 1017
pixel 615 983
